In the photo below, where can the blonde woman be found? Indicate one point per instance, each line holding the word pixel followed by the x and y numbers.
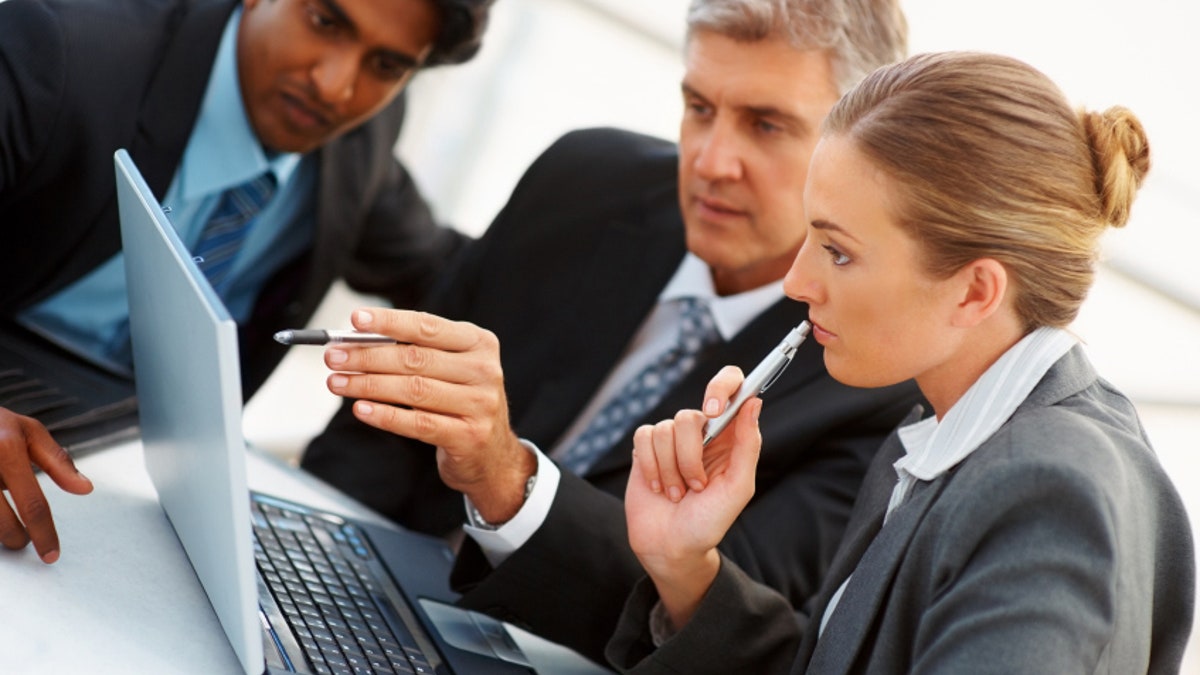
pixel 954 205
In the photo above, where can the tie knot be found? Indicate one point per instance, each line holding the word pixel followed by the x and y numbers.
pixel 259 190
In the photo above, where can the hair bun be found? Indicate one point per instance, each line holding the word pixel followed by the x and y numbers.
pixel 1121 154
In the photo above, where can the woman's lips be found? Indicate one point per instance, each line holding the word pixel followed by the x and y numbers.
pixel 820 334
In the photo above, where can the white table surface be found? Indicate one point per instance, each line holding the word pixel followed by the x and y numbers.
pixel 123 598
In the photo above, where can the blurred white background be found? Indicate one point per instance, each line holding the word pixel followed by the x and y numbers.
pixel 549 66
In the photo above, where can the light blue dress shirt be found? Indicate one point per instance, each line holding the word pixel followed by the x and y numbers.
pixel 90 317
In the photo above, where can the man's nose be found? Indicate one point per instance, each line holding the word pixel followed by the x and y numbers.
pixel 719 157
pixel 334 76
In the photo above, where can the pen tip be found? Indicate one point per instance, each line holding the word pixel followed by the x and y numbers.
pixel 284 337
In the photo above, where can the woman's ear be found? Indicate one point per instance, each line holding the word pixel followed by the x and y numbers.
pixel 984 284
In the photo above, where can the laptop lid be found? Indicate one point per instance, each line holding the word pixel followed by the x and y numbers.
pixel 190 416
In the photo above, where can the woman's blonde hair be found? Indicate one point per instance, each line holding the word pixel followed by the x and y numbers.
pixel 992 162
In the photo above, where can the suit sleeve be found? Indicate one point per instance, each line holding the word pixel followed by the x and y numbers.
pixel 402 250
pixel 739 627
pixel 30 97
pixel 398 476
pixel 569 582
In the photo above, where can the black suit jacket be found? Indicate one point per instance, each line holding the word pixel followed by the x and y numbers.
pixel 81 78
pixel 565 276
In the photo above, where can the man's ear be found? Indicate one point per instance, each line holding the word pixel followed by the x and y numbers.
pixel 984 286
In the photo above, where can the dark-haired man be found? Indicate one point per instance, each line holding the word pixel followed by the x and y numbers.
pixel 267 128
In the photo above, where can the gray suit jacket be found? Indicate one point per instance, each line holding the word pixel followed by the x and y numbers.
pixel 1058 546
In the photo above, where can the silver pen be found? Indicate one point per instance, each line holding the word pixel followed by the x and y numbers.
pixel 326 337
pixel 763 376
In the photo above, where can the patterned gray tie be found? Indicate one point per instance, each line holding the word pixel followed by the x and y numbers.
pixel 696 332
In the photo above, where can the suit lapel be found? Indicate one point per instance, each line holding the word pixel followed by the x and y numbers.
pixel 173 97
pixel 867 592
pixel 866 519
pixel 631 264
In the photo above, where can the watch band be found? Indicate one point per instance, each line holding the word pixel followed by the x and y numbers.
pixel 478 521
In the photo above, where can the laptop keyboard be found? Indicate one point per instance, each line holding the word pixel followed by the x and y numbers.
pixel 319 572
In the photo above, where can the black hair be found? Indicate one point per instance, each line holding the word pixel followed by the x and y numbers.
pixel 461 34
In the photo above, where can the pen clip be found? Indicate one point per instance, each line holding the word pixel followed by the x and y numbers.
pixel 778 371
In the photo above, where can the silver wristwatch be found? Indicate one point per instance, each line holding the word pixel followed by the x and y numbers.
pixel 478 521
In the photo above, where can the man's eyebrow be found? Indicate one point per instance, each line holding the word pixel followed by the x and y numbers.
pixel 781 117
pixel 691 92
pixel 832 227
pixel 338 14
pixel 342 18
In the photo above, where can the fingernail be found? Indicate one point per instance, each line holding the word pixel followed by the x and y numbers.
pixel 674 493
pixel 364 408
pixel 50 557
pixel 363 318
pixel 696 484
pixel 337 356
pixel 656 486
pixel 338 381
pixel 757 410
pixel 711 407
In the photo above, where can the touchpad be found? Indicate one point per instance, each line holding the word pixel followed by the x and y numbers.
pixel 473 632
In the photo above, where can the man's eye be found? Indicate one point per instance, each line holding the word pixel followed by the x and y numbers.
pixel 319 20
pixel 698 108
pixel 767 126
pixel 390 68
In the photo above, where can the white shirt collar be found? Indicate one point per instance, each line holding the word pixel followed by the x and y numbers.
pixel 223 150
pixel 693 279
pixel 934 447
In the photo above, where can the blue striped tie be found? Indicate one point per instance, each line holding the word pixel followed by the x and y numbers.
pixel 227 227
pixel 637 398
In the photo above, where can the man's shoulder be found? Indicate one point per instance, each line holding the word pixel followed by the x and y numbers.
pixel 611 141
pixel 607 155
pixel 118 23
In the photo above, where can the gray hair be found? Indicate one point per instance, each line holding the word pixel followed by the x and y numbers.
pixel 860 35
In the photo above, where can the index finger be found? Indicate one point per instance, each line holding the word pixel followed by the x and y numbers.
pixel 420 328
pixel 29 500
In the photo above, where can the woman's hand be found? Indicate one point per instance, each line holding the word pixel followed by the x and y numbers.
pixel 674 530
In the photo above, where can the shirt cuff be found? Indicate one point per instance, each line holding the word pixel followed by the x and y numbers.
pixel 501 542
pixel 661 629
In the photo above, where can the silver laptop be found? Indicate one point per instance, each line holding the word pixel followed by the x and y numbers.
pixel 296 589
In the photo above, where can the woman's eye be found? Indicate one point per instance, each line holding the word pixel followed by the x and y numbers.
pixel 838 257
